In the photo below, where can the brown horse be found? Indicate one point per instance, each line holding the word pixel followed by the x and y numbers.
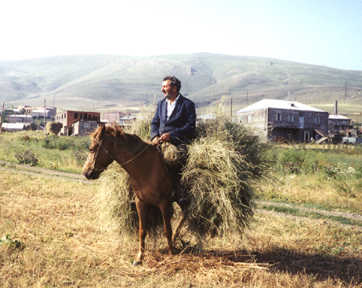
pixel 150 179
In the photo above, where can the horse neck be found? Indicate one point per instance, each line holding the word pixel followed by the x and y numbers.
pixel 132 159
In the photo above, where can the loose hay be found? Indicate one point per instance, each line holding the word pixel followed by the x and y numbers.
pixel 116 204
pixel 221 162
pixel 216 177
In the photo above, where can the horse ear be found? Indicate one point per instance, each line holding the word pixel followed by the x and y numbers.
pixel 103 130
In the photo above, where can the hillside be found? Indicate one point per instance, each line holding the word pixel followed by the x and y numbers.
pixel 109 81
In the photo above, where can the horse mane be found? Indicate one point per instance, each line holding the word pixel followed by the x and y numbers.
pixel 112 129
pixel 116 131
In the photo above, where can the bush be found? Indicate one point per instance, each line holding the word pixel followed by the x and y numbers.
pixel 53 128
pixel 26 157
pixel 54 142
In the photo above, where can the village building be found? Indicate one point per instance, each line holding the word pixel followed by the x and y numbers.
pixel 18 118
pixel 339 124
pixel 206 117
pixel 112 116
pixel 81 128
pixel 286 121
pixel 41 112
pixel 69 118
pixel 13 127
pixel 47 112
pixel 127 121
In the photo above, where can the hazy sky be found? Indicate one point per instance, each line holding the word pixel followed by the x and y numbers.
pixel 323 32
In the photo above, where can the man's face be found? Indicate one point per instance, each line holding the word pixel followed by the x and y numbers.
pixel 168 90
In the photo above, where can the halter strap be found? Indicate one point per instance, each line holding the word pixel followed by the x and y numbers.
pixel 138 154
pixel 135 156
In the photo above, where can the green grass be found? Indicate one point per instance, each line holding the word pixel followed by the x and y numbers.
pixel 53 152
pixel 331 179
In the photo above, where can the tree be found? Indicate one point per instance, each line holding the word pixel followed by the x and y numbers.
pixel 53 128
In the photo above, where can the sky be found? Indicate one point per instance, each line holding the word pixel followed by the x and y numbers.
pixel 321 32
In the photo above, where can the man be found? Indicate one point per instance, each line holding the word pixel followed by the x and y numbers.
pixel 175 117
pixel 174 122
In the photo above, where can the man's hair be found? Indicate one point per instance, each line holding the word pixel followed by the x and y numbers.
pixel 174 82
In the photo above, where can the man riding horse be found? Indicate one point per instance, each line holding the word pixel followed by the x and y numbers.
pixel 175 117
pixel 174 122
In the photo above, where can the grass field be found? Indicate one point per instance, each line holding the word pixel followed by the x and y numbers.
pixel 331 179
pixel 59 153
pixel 51 235
pixel 54 240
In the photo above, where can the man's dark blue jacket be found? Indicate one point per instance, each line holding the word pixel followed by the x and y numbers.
pixel 180 125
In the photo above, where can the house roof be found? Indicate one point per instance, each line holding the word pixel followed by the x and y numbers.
pixel 14 126
pixel 19 116
pixel 207 116
pixel 279 104
pixel 338 117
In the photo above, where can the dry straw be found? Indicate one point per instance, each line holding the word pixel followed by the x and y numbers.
pixel 221 162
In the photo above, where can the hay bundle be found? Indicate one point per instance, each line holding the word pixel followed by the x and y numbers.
pixel 221 162
pixel 216 177
pixel 115 202
pixel 117 209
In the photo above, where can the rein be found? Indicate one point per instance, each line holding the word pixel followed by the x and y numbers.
pixel 136 156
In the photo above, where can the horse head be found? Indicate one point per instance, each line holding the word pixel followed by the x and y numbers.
pixel 100 153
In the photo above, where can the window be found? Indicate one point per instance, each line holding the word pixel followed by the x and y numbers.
pixel 278 116
pixel 76 115
pixel 317 119
pixel 291 117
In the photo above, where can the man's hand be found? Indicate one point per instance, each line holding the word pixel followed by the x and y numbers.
pixel 165 137
pixel 155 140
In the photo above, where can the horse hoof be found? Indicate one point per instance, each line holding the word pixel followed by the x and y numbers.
pixel 136 262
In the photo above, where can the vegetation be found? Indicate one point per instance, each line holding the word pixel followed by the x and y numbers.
pixel 51 234
pixel 53 128
pixel 35 148
pixel 51 237
pixel 327 178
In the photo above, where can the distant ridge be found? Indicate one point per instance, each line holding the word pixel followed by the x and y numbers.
pixel 111 81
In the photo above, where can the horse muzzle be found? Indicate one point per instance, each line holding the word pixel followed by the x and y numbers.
pixel 91 174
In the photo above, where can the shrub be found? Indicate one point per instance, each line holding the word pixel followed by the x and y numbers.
pixel 54 142
pixel 53 128
pixel 26 157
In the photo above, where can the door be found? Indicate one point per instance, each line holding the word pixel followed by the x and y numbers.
pixel 306 136
pixel 301 122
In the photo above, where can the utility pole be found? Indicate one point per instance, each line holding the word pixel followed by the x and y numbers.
pixel 3 113
pixel 231 108
pixel 44 114
pixel 345 90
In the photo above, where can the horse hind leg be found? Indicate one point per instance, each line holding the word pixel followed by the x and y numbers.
pixel 184 214
pixel 141 211
pixel 166 216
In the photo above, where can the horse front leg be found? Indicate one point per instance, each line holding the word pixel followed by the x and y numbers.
pixel 141 209
pixel 166 216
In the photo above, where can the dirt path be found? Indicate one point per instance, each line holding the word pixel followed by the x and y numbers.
pixel 31 170
pixel 352 216
pixel 26 169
